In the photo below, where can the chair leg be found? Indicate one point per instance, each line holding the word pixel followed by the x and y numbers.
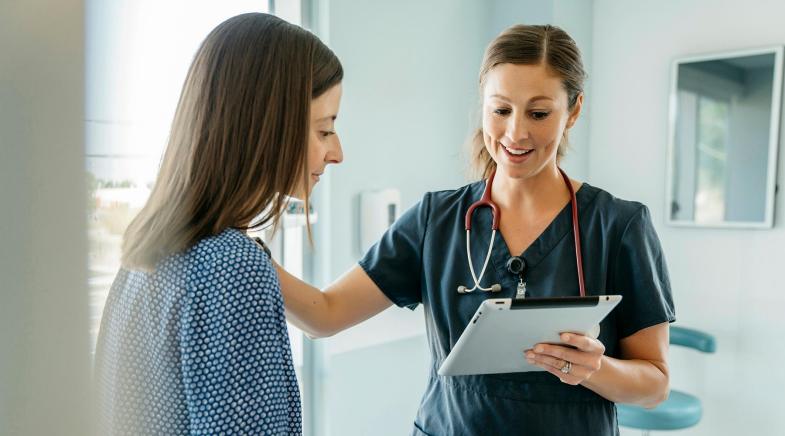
pixel 646 432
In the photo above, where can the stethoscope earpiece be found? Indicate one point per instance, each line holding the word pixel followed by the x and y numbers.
pixel 494 288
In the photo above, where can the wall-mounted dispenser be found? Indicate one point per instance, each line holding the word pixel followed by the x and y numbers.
pixel 378 210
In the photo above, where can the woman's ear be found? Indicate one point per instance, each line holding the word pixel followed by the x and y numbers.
pixel 576 111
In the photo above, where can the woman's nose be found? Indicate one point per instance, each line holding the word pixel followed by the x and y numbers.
pixel 517 130
pixel 335 152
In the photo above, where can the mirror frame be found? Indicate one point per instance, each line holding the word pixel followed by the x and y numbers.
pixel 774 138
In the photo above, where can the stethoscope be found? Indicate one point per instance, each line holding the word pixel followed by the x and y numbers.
pixel 515 264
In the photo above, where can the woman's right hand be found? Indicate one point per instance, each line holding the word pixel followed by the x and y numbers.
pixel 351 299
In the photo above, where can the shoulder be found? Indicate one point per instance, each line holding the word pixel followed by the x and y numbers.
pixel 609 208
pixel 228 249
pixel 436 206
pixel 613 219
pixel 451 202
pixel 451 195
pixel 228 260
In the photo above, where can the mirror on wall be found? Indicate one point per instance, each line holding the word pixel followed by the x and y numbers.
pixel 724 135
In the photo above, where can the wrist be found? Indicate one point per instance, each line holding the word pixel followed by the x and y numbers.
pixel 589 382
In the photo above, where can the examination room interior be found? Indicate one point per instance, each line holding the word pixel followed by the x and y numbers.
pixel 88 88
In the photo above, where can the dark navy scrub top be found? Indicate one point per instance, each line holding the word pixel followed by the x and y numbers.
pixel 422 259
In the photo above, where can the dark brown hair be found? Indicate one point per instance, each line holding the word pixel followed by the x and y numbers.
pixel 531 45
pixel 239 138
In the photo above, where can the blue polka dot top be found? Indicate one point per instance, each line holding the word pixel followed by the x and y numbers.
pixel 199 346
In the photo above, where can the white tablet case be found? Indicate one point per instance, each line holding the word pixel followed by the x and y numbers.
pixel 502 328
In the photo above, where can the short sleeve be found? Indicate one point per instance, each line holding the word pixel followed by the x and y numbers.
pixel 641 276
pixel 236 363
pixel 394 263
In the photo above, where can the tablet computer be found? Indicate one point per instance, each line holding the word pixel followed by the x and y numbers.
pixel 502 328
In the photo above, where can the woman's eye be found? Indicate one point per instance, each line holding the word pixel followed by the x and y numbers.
pixel 326 133
pixel 539 115
pixel 501 112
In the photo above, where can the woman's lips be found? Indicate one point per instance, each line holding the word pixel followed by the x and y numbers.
pixel 517 158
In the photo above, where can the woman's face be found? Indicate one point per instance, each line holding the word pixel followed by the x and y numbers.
pixel 324 147
pixel 525 114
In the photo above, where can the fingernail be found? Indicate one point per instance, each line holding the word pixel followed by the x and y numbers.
pixel 538 349
pixel 566 337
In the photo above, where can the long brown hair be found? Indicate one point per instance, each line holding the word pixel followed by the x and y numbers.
pixel 239 138
pixel 530 45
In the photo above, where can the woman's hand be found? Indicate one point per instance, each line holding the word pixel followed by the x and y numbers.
pixel 571 365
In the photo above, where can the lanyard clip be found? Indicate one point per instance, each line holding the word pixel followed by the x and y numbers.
pixel 521 290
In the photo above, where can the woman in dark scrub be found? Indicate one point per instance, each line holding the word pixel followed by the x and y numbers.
pixel 531 84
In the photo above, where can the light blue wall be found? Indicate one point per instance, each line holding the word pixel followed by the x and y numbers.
pixel 376 390
pixel 505 13
pixel 410 91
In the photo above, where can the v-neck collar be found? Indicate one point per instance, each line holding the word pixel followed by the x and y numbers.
pixel 557 229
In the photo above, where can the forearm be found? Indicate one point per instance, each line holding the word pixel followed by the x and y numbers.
pixel 353 298
pixel 641 382
pixel 307 307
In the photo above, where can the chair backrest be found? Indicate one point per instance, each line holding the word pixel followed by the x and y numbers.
pixel 692 338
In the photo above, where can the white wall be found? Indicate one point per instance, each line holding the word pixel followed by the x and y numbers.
pixel 410 90
pixel 724 281
pixel 44 341
pixel 376 390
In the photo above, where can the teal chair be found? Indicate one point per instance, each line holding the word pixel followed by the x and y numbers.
pixel 681 410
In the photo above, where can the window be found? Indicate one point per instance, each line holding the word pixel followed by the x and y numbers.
pixel 703 137
pixel 712 156
pixel 137 56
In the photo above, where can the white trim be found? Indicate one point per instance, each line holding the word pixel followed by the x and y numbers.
pixel 774 136
pixel 315 17
pixel 774 139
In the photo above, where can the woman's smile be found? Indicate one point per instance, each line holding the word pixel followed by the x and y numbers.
pixel 517 155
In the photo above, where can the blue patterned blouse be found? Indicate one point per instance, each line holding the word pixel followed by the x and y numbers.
pixel 199 346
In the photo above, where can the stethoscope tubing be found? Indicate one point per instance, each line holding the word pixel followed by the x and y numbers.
pixel 486 201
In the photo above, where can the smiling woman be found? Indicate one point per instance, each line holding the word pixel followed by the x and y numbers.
pixel 531 82
pixel 556 84
pixel 526 114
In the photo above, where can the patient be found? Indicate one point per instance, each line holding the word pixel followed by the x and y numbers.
pixel 193 338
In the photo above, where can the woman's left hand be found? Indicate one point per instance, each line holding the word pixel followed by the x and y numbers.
pixel 582 361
